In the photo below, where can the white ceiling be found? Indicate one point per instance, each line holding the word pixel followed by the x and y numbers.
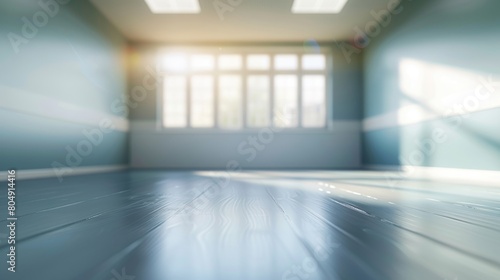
pixel 250 21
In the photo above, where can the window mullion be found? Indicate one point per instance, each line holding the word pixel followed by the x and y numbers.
pixel 188 100
pixel 329 92
pixel 244 99
pixel 271 92
pixel 160 97
pixel 299 91
pixel 216 99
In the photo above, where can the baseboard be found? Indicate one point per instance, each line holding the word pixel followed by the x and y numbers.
pixel 456 175
pixel 23 174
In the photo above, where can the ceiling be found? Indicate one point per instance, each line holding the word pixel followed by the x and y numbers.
pixel 250 21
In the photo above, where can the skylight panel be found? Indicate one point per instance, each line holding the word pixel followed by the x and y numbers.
pixel 318 6
pixel 173 6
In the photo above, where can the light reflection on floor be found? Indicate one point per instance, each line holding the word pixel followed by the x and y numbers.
pixel 260 225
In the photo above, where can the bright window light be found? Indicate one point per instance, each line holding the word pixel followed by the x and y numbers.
pixel 313 62
pixel 208 90
pixel 258 62
pixel 230 102
pixel 313 100
pixel 202 101
pixel 285 101
pixel 318 6
pixel 230 62
pixel 173 6
pixel 202 62
pixel 285 62
pixel 258 100
pixel 175 63
pixel 175 96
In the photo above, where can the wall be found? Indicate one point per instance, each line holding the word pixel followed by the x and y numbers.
pixel 432 91
pixel 62 65
pixel 338 147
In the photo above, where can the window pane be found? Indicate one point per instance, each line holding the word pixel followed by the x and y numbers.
pixel 202 101
pixel 230 62
pixel 174 98
pixel 175 63
pixel 313 62
pixel 258 101
pixel 285 62
pixel 285 101
pixel 313 101
pixel 258 62
pixel 230 101
pixel 202 62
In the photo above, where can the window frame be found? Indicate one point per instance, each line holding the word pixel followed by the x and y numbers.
pixel 245 73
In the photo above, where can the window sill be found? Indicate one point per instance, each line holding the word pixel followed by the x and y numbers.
pixel 247 131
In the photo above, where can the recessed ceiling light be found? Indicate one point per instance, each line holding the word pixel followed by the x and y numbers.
pixel 174 6
pixel 318 6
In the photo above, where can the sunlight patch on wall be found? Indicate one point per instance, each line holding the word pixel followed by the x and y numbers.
pixel 433 90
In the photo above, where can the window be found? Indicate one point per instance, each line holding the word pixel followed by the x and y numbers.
pixel 244 90
pixel 285 62
pixel 202 62
pixel 202 101
pixel 230 101
pixel 258 62
pixel 313 100
pixel 285 100
pixel 313 62
pixel 174 89
pixel 258 101
pixel 175 63
pixel 230 62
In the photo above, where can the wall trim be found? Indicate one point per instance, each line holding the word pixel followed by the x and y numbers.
pixel 346 125
pixel 399 117
pixel 407 115
pixel 48 107
pixel 380 121
pixel 24 174
pixel 455 175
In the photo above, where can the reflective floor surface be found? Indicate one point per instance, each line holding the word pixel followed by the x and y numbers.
pixel 156 225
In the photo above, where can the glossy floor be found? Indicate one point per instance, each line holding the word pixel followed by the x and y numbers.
pixel 155 225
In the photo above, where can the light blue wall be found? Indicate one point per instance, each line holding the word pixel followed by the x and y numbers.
pixel 458 34
pixel 475 144
pixel 74 59
pixel 274 150
pixel 347 86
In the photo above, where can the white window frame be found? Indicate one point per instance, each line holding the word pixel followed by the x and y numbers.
pixel 244 52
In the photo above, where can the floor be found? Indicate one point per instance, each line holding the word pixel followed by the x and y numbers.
pixel 156 225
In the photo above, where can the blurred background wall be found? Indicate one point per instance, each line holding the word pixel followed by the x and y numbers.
pixel 62 66
pixel 338 147
pixel 432 87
